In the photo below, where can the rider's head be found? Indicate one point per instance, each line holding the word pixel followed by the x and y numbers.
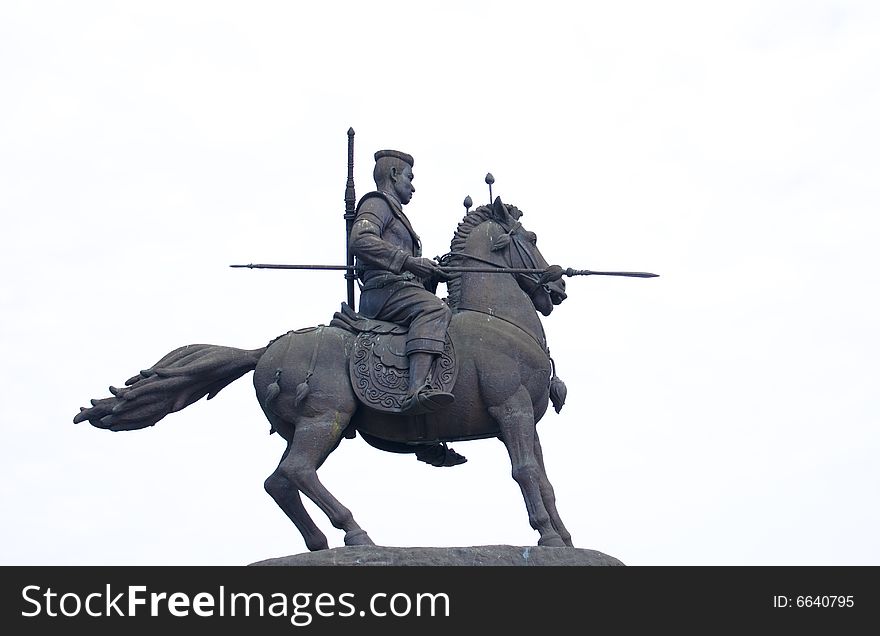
pixel 393 174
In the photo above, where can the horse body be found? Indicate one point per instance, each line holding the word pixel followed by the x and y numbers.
pixel 301 379
pixel 486 347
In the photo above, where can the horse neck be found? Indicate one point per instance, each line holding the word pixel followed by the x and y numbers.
pixel 499 295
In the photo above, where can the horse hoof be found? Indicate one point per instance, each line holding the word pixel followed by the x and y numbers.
pixel 358 537
pixel 317 545
pixel 552 542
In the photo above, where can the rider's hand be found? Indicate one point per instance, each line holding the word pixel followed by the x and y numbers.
pixel 551 274
pixel 421 267
pixel 443 276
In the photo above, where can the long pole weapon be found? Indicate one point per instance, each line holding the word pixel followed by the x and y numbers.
pixel 349 215
pixel 461 270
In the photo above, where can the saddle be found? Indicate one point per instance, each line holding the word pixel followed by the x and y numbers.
pixel 378 364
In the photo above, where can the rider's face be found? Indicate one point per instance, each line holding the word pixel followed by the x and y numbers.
pixel 403 186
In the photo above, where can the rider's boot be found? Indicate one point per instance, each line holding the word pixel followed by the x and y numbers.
pixel 439 455
pixel 421 398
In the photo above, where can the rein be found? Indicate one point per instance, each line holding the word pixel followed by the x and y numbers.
pixel 470 256
pixel 528 272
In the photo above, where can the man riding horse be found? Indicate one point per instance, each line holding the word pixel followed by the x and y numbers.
pixel 397 282
pixel 307 381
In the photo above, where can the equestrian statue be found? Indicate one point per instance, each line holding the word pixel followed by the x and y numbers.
pixel 407 372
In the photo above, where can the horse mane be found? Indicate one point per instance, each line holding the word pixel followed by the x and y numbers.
pixel 471 220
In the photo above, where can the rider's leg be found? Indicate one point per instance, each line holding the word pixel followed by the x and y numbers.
pixel 426 318
pixel 421 397
pixel 419 367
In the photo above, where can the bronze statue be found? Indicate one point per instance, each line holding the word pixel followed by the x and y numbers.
pixel 388 372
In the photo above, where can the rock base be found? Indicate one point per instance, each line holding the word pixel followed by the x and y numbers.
pixel 485 555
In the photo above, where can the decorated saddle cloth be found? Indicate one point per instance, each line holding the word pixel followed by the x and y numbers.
pixel 378 365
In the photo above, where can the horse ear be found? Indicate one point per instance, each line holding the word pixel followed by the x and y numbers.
pixel 499 211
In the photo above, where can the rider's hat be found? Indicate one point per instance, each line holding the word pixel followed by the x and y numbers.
pixel 396 154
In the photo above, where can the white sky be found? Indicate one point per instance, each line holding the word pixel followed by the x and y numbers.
pixel 725 413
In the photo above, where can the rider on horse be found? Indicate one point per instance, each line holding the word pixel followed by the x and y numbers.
pixel 397 282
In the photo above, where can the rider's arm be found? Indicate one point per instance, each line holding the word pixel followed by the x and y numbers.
pixel 366 238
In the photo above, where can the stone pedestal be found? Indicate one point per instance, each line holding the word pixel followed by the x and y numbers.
pixel 484 555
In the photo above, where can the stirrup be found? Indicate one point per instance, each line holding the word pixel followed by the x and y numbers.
pixel 439 455
pixel 426 400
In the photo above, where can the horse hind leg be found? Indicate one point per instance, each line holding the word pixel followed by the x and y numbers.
pixel 286 495
pixel 311 407
pixel 315 438
pixel 516 419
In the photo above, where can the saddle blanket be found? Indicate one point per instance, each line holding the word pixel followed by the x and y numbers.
pixel 378 365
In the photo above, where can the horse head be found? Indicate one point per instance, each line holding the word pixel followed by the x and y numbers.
pixel 522 250
pixel 506 243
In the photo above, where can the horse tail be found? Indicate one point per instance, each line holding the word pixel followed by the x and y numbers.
pixel 180 378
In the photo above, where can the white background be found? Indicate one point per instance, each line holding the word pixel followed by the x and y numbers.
pixel 725 413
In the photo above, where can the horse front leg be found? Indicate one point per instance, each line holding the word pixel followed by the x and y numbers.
pixel 549 497
pixel 516 420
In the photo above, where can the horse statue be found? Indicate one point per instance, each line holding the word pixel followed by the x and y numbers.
pixel 321 384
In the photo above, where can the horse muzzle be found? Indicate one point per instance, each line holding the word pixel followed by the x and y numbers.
pixel 556 290
pixel 542 302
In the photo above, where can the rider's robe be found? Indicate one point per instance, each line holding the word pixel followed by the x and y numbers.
pixel 382 239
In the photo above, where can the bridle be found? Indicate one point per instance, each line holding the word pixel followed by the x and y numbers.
pixel 513 237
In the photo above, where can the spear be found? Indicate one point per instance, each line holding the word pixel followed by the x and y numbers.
pixel 349 220
pixel 462 270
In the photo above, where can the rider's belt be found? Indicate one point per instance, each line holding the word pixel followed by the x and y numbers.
pixel 387 279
